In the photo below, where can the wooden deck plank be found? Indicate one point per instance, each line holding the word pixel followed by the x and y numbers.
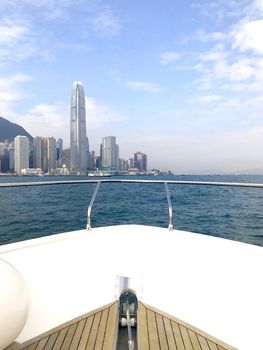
pixel 32 346
pixel 102 329
pixel 220 344
pixel 41 344
pixel 98 330
pixel 169 333
pixel 186 338
pixel 212 346
pixel 85 334
pixel 194 340
pixel 153 333
pixel 51 341
pixel 75 334
pixel 177 336
pixel 142 328
pixel 203 342
pixel 69 336
pixel 94 331
pixel 76 339
pixel 161 332
pixel 60 338
pixel 111 333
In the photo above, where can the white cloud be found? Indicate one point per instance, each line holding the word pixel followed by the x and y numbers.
pixel 169 57
pixel 205 37
pixel 9 82
pixel 105 23
pixel 205 99
pixel 248 36
pixel 241 70
pixel 217 53
pixel 99 115
pixel 143 86
pixel 11 32
pixel 16 41
pixel 10 92
pixel 46 120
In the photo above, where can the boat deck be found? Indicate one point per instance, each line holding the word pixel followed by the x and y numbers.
pixel 94 330
pixel 160 331
pixel 98 330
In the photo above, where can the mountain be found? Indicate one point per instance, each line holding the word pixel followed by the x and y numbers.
pixel 8 131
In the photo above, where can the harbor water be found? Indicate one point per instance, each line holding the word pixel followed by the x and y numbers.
pixel 228 212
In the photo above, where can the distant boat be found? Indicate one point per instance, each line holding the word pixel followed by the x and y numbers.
pixel 100 174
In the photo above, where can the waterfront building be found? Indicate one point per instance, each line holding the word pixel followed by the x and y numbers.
pixel 110 153
pixel 38 152
pixel 92 160
pixel 97 162
pixel 140 161
pixel 51 154
pixel 21 154
pixel 66 158
pixel 123 165
pixel 44 153
pixel 131 163
pixel 79 146
pixel 4 161
pixel 59 151
pixel 11 154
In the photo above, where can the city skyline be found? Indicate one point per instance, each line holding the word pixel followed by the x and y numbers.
pixel 181 81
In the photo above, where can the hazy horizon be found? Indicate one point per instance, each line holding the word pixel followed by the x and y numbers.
pixel 181 82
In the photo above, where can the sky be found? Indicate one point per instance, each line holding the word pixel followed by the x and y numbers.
pixel 181 81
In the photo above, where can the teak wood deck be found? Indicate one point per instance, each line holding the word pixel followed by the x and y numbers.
pixel 157 330
pixel 94 330
pixel 98 330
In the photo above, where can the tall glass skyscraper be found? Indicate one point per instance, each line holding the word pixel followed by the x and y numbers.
pixel 109 153
pixel 79 146
pixel 21 153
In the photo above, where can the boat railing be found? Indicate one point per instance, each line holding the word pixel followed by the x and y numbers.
pixel 165 182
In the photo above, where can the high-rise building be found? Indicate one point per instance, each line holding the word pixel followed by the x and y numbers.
pixel 4 159
pixel 51 154
pixel 59 145
pixel 11 151
pixel 44 153
pixel 110 153
pixel 21 153
pixel 38 152
pixel 140 161
pixel 79 147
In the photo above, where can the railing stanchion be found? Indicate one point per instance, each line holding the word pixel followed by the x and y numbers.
pixel 170 208
pixel 90 206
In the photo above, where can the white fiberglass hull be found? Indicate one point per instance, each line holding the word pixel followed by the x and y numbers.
pixel 212 283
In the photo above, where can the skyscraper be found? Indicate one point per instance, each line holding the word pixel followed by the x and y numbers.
pixel 38 152
pixel 59 152
pixel 21 153
pixel 51 153
pixel 140 161
pixel 79 147
pixel 110 153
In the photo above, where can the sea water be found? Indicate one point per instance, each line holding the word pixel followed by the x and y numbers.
pixel 228 212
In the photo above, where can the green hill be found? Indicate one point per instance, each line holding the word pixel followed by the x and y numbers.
pixel 8 130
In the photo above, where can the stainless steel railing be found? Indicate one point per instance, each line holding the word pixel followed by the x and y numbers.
pixel 170 208
pixel 91 205
pixel 165 182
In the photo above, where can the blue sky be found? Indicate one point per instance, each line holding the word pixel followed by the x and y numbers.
pixel 179 80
